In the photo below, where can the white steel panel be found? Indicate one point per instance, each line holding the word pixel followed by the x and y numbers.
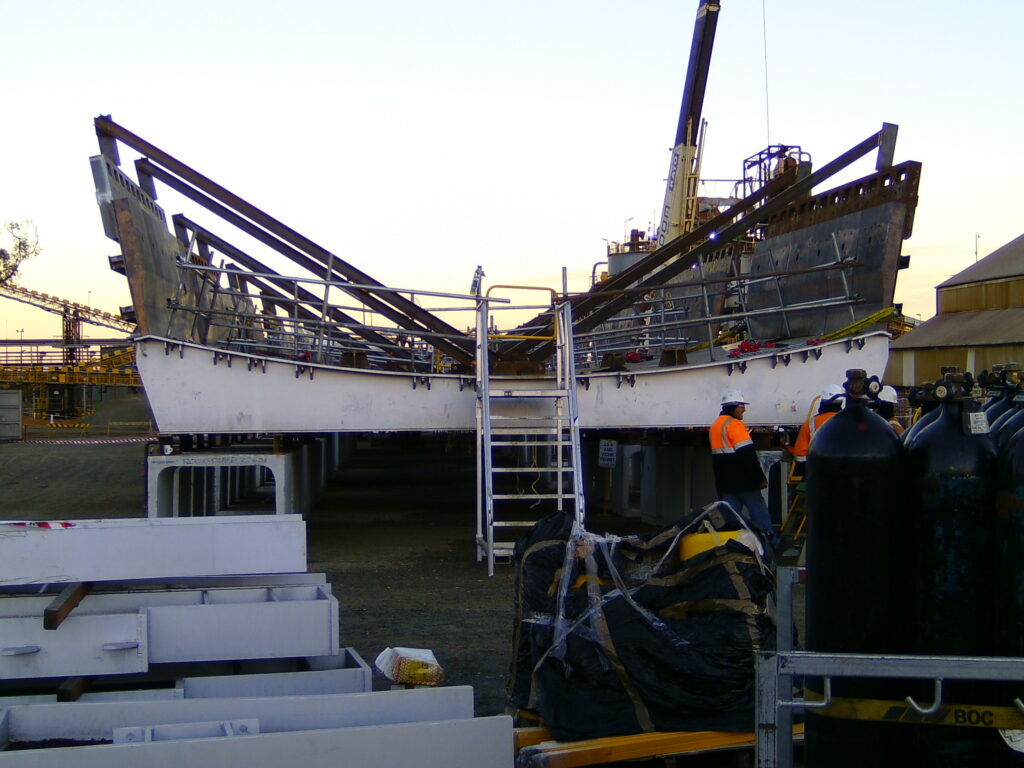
pixel 191 394
pixel 110 550
pixel 76 648
pixel 135 600
pixel 484 742
pixel 91 721
pixel 241 631
pixel 351 675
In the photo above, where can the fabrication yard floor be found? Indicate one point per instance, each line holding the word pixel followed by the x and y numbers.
pixel 393 531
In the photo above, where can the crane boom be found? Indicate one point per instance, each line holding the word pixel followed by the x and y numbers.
pixel 679 210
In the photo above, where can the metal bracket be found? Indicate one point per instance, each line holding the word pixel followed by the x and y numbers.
pixel 585 381
pixel 19 650
pixel 741 365
pixel 934 707
pixel 128 645
pixel 619 378
pixel 806 704
pixel 858 342
pixel 816 351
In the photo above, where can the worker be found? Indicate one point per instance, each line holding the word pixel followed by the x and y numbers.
pixel 886 408
pixel 829 405
pixel 738 474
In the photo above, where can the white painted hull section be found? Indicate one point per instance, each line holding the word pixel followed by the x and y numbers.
pixel 193 389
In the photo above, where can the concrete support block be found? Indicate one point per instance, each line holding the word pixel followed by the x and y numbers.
pixel 210 482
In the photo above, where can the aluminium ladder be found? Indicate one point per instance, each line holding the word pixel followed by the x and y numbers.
pixel 536 417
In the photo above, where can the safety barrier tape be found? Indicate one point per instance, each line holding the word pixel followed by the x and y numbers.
pixel 110 441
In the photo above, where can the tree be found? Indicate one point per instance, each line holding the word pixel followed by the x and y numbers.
pixel 22 243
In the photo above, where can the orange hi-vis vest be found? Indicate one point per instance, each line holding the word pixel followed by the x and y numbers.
pixel 728 434
pixel 807 432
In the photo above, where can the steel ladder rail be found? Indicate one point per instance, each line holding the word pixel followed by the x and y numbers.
pixel 564 428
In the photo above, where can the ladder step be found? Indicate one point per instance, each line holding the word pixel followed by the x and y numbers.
pixel 530 470
pixel 531 496
pixel 513 524
pixel 541 417
pixel 503 443
pixel 527 430
pixel 513 393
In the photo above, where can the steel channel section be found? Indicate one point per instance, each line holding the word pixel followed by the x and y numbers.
pixel 111 644
pixel 151 548
pixel 89 721
pixel 167 627
pixel 344 672
pixel 471 743
pixel 108 128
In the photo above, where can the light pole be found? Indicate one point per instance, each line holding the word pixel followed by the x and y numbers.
pixel 976 238
pixel 21 346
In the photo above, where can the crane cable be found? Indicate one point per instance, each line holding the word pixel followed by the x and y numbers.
pixel 764 35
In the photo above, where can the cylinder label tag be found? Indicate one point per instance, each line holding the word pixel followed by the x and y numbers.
pixel 976 423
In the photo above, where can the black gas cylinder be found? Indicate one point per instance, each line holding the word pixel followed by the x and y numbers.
pixel 1009 577
pixel 929 411
pixel 859 573
pixel 1006 426
pixel 952 466
pixel 1002 386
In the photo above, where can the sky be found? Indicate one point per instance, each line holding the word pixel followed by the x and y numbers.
pixel 417 140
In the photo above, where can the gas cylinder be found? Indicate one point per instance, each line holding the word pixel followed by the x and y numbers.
pixel 929 412
pixel 952 465
pixel 1006 426
pixel 1003 389
pixel 1008 594
pixel 859 575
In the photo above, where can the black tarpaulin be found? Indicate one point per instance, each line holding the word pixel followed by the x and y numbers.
pixel 619 635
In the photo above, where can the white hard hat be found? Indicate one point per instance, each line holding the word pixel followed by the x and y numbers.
pixel 734 397
pixel 831 391
pixel 888 395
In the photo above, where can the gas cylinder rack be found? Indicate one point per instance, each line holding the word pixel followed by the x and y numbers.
pixel 776 670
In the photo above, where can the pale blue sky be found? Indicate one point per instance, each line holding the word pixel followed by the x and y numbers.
pixel 417 140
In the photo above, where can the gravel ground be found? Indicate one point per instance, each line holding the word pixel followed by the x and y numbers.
pixel 393 532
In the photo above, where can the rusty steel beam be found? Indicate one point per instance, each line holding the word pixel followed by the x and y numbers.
pixel 301 259
pixel 106 128
pixel 274 283
pixel 584 303
pixel 882 139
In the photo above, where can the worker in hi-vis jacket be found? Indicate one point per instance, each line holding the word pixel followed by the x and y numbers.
pixel 738 474
pixel 829 404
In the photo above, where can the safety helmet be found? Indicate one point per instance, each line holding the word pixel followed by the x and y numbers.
pixel 734 397
pixel 888 395
pixel 831 391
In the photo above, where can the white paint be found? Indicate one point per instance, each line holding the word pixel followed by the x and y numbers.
pixel 90 721
pixel 110 550
pixel 484 742
pixel 75 648
pixel 191 394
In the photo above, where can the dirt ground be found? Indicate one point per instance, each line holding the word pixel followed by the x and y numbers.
pixel 393 532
